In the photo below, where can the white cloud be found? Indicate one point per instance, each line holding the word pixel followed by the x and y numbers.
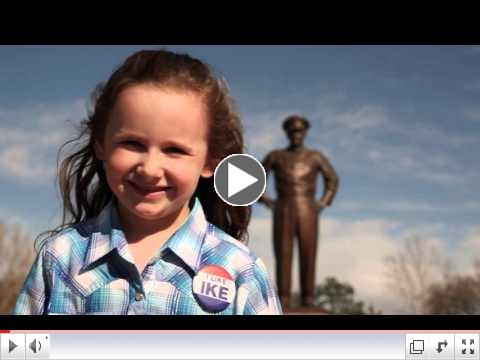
pixel 431 135
pixel 415 156
pixel 353 252
pixel 472 240
pixel 363 117
pixel 418 162
pixel 474 205
pixel 44 116
pixel 30 138
pixel 468 250
pixel 16 161
pixel 375 155
pixel 7 217
pixel 400 206
pixel 472 114
pixel 443 178
pixel 263 131
pixel 371 135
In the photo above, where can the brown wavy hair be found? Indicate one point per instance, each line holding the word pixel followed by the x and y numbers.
pixel 81 177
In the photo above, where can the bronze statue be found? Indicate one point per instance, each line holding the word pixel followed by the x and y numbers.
pixel 295 210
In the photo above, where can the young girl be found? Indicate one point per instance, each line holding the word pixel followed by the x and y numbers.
pixel 148 234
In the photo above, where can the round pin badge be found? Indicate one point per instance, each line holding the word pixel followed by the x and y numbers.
pixel 213 288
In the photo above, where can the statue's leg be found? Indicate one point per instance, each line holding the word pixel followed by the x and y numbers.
pixel 307 233
pixel 283 247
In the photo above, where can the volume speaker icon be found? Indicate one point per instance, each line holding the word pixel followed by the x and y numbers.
pixel 35 346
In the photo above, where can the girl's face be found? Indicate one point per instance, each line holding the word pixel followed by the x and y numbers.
pixel 155 149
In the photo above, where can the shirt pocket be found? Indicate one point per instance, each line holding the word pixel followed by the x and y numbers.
pixel 109 299
pixel 64 301
pixel 162 298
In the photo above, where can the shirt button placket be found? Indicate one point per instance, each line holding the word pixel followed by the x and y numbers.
pixel 137 307
pixel 139 296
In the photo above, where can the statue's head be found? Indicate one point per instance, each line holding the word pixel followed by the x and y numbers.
pixel 296 128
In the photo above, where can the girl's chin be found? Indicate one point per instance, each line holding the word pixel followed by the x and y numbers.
pixel 150 210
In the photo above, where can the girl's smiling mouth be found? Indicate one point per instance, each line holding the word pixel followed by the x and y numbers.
pixel 149 191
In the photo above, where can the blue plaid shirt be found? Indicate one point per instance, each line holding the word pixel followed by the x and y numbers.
pixel 87 269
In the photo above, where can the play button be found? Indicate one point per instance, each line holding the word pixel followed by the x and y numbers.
pixel 239 179
pixel 11 346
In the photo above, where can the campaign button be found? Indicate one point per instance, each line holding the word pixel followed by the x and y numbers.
pixel 213 288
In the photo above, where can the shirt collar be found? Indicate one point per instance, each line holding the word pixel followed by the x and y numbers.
pixel 106 236
pixel 186 242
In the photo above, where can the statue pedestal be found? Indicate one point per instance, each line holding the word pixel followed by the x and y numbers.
pixel 305 310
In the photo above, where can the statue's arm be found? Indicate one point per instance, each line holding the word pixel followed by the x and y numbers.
pixel 267 164
pixel 331 181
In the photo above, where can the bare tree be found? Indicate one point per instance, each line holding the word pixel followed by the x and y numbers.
pixel 457 294
pixel 413 270
pixel 336 297
pixel 16 257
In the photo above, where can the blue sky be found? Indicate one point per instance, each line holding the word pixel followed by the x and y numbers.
pixel 401 124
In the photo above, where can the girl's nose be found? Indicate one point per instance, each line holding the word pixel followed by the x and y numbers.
pixel 151 167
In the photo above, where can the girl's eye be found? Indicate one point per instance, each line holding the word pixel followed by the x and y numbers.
pixel 131 143
pixel 175 150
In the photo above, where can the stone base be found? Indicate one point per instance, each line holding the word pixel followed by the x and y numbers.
pixel 305 310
